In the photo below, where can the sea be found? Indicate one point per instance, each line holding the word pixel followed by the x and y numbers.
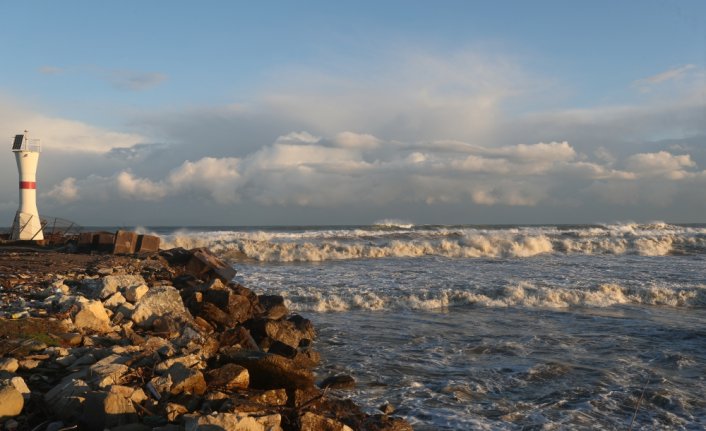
pixel 538 327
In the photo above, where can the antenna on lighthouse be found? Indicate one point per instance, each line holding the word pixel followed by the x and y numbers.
pixel 27 225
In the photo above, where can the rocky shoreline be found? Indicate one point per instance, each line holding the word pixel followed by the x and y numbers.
pixel 158 341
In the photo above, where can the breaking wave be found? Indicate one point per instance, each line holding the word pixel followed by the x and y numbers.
pixel 391 238
pixel 524 294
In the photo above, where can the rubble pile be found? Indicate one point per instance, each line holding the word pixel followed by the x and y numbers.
pixel 158 341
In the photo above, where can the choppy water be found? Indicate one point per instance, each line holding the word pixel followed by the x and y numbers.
pixel 477 327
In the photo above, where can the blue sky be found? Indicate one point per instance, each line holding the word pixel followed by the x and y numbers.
pixel 136 103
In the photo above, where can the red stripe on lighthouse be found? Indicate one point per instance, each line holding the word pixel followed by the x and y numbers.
pixel 28 185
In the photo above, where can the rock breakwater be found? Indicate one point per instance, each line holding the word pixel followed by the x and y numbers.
pixel 157 341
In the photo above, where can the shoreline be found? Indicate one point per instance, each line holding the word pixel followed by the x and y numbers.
pixel 158 341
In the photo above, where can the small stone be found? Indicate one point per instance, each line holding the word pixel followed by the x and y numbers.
pixel 9 364
pixel 28 364
pixel 11 402
pixel 72 338
pixel 108 371
pixel 11 425
pixel 19 384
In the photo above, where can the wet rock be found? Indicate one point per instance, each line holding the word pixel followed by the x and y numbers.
pixel 341 381
pixel 229 376
pixel 272 397
pixel 274 306
pixel 92 316
pixel 9 364
pixel 269 371
pixel 312 422
pixel 283 331
pixel 11 402
pixel 387 408
pixel 203 264
pixel 159 301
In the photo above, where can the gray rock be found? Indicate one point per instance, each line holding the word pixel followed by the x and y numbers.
pixel 108 371
pixel 107 410
pixel 102 288
pixel 114 300
pixel 186 380
pixel 11 402
pixel 269 371
pixel 160 301
pixel 66 399
pixel 91 315
pixel 135 293
pixel 19 383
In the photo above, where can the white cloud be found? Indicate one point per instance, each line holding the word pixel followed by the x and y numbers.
pixel 660 164
pixel 675 73
pixel 65 191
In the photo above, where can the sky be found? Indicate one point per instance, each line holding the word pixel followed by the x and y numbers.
pixel 318 112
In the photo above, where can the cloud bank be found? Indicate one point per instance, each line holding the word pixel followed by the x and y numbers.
pixel 440 139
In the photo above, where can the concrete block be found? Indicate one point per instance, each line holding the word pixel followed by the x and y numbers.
pixel 147 244
pixel 125 242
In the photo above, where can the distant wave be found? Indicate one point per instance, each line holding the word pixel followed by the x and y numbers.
pixel 525 295
pixel 393 223
pixel 385 241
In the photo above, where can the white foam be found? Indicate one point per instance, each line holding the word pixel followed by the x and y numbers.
pixel 315 245
pixel 523 294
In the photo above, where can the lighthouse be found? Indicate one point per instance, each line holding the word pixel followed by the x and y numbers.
pixel 27 224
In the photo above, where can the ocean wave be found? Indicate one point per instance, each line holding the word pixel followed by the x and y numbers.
pixel 523 295
pixel 374 242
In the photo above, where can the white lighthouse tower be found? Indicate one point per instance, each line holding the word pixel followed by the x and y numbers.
pixel 27 225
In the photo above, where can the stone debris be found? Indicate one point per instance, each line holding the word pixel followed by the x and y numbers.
pixel 157 341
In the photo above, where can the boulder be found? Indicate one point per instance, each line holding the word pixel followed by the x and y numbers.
pixel 159 301
pixel 274 308
pixel 102 288
pixel 66 398
pixel 284 331
pixel 205 265
pixel 340 381
pixel 232 421
pixel 106 410
pixel 229 376
pixel 136 292
pixel 312 422
pixel 114 300
pixel 91 316
pixel 108 371
pixel 268 371
pixel 185 380
pixel 11 402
